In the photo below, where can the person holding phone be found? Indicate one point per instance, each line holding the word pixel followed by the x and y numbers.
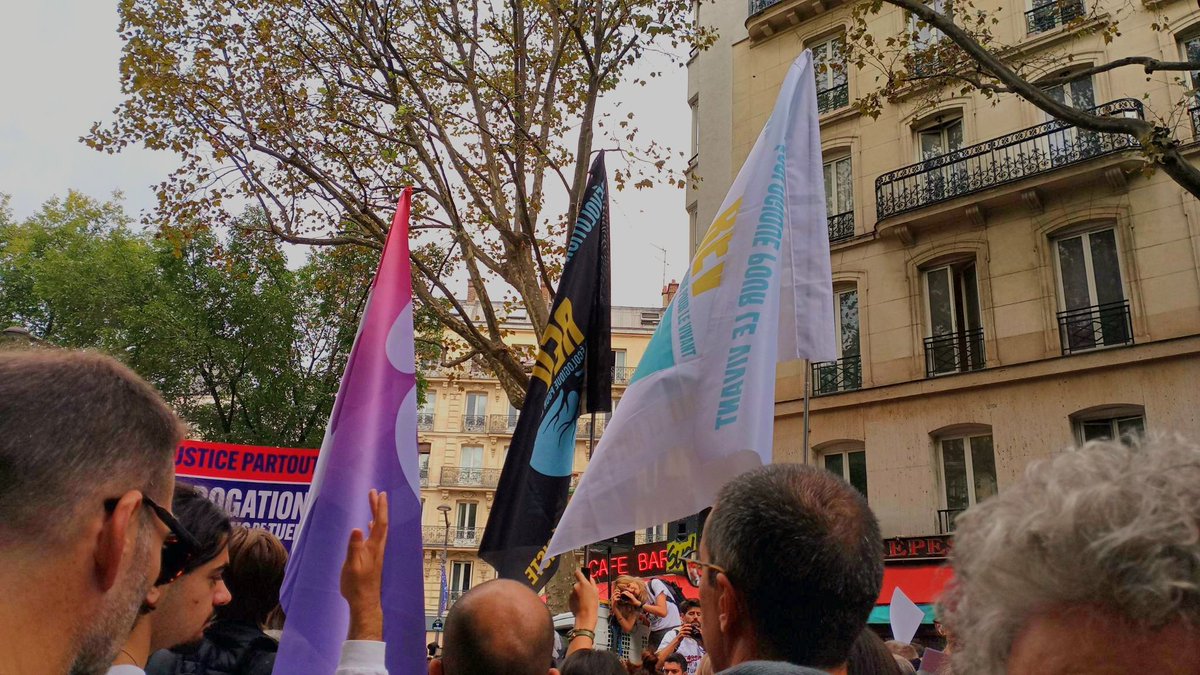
pixel 634 601
pixel 687 640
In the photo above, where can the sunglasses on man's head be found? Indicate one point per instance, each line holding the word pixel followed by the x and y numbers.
pixel 179 546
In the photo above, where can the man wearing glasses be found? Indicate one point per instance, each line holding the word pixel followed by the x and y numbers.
pixel 86 463
pixel 790 565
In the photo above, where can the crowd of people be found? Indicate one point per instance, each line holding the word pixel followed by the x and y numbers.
pixel 1090 563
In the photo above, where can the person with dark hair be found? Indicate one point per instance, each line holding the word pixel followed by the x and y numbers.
pixel 176 614
pixel 870 656
pixel 592 662
pixel 686 639
pixel 86 468
pixel 674 664
pixel 791 561
pixel 236 643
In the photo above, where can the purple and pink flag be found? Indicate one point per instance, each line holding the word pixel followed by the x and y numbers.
pixel 371 442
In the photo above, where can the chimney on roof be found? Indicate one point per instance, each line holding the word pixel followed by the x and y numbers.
pixel 472 297
pixel 669 291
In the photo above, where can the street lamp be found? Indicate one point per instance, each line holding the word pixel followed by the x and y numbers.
pixel 443 595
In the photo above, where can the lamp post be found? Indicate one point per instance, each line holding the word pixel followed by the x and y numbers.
pixel 444 594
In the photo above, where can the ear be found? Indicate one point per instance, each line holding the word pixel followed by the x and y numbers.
pixel 554 671
pixel 728 604
pixel 115 537
pixel 435 667
pixel 153 596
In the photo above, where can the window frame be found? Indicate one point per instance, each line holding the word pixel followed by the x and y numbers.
pixel 832 164
pixel 844 452
pixel 968 464
pixel 1089 267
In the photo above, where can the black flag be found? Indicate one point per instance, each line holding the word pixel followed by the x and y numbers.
pixel 573 369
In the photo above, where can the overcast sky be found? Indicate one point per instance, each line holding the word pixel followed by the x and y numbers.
pixel 58 59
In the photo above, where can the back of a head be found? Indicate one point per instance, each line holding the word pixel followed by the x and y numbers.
pixel 1105 526
pixel 804 550
pixel 254 576
pixel 499 628
pixel 869 656
pixel 204 520
pixel 592 662
pixel 76 428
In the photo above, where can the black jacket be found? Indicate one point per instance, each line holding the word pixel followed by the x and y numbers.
pixel 228 648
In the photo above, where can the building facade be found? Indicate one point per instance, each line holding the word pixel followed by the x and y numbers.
pixel 1005 286
pixel 464 430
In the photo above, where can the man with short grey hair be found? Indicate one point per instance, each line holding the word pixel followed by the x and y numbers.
pixel 1089 564
pixel 86 474
pixel 790 567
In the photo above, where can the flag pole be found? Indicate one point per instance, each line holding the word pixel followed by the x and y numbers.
pixel 591 436
pixel 807 374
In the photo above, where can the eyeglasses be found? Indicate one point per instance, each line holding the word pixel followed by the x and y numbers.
pixel 179 546
pixel 695 569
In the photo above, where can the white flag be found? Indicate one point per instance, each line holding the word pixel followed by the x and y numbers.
pixel 700 407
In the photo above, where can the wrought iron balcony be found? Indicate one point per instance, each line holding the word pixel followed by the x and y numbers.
pixel 841 226
pixel 424 421
pixel 502 424
pixel 452 596
pixel 1107 325
pixel 474 422
pixel 833 98
pixel 1051 15
pixel 469 476
pixel 946 518
pixel 1194 111
pixel 830 377
pixel 585 427
pixel 622 374
pixel 757 6
pixel 424 476
pixel 1012 157
pixel 436 536
pixel 957 352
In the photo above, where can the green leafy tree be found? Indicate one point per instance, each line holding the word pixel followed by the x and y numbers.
pixel 318 111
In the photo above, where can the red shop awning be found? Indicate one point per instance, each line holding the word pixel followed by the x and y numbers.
pixel 923 584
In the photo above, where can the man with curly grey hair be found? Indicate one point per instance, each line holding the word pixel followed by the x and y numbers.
pixel 1090 564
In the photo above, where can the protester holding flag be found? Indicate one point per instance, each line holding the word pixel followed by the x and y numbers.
pixel 573 370
pixel 700 407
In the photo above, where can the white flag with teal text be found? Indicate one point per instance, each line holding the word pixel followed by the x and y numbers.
pixel 700 406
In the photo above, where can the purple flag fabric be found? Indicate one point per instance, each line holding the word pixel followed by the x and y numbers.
pixel 371 442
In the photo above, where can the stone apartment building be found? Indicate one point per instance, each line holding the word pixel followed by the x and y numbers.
pixel 464 430
pixel 1004 287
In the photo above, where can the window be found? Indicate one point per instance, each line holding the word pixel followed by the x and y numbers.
pixel 968 473
pixel 925 60
pixel 943 178
pixel 839 198
pixel 845 374
pixel 651 535
pixel 1191 52
pixel 955 331
pixel 830 69
pixel 460 579
pixel 464 532
pixel 425 413
pixel 475 416
pixel 423 452
pixel 1093 310
pixel 513 415
pixel 694 104
pixel 1050 14
pixel 621 373
pixel 850 466
pixel 471 457
pixel 1126 423
pixel 1071 144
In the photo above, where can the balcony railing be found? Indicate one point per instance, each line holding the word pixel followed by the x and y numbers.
pixel 1107 325
pixel 1051 15
pixel 1024 153
pixel 502 424
pixel 830 377
pixel 946 518
pixel 585 427
pixel 424 421
pixel 622 374
pixel 469 476
pixel 474 422
pixel 435 536
pixel 841 226
pixel 956 352
pixel 833 98
pixel 452 596
pixel 424 476
pixel 1194 112
pixel 757 6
